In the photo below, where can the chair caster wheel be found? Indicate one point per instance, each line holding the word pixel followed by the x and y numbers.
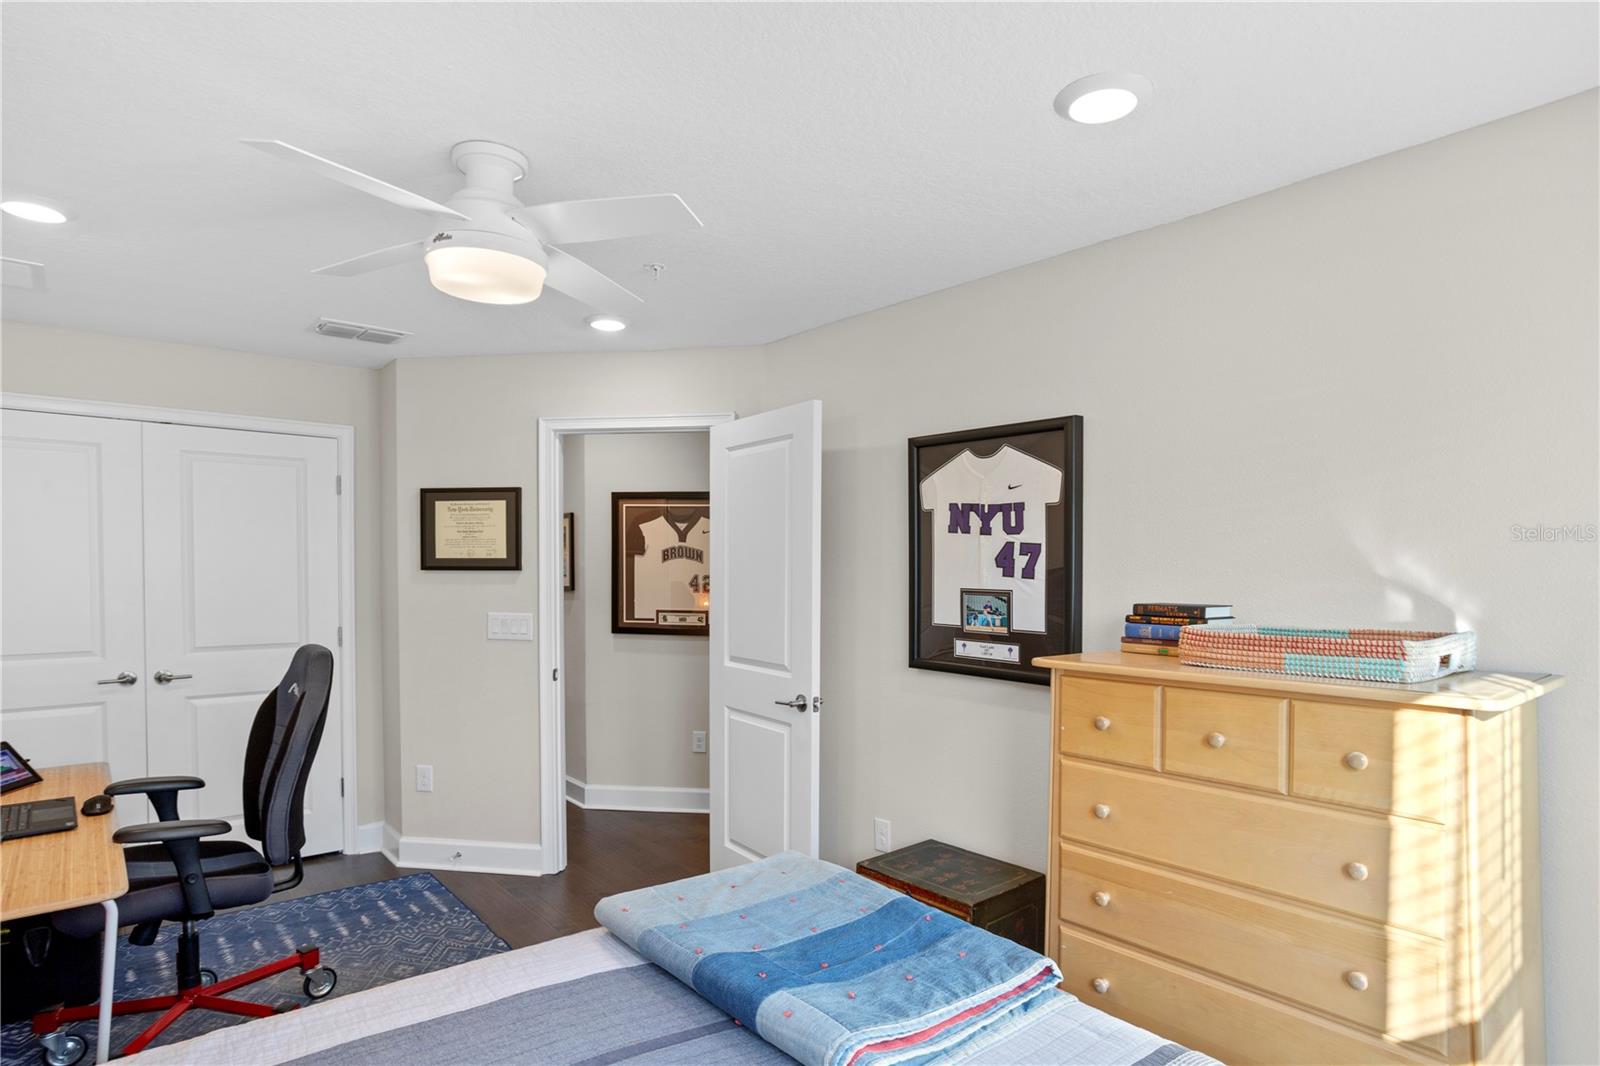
pixel 208 977
pixel 62 1049
pixel 319 982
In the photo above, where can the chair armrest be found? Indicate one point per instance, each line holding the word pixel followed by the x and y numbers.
pixel 182 841
pixel 161 790
pixel 153 784
pixel 161 832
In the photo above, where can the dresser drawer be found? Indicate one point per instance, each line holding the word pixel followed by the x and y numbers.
pixel 1392 982
pixel 1225 736
pixel 1109 720
pixel 1393 870
pixel 1404 760
pixel 1235 1026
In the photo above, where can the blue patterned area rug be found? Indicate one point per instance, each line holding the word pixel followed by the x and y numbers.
pixel 371 934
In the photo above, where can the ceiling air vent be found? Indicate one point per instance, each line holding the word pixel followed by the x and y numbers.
pixel 355 331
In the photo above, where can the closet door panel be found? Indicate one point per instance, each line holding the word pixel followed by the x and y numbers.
pixel 242 568
pixel 71 575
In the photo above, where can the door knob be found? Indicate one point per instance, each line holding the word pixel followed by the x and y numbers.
pixel 162 677
pixel 123 678
pixel 798 703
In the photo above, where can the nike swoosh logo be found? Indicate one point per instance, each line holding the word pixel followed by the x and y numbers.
pixel 1018 485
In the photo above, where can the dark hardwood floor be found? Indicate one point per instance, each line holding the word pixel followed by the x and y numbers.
pixel 607 852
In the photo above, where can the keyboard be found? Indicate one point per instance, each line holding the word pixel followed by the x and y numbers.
pixel 40 816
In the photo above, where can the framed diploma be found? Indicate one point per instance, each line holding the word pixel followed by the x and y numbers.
pixel 472 529
pixel 996 548
pixel 661 563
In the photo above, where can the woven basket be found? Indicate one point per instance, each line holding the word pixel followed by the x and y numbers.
pixel 1396 655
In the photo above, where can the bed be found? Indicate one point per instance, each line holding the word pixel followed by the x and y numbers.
pixel 592 999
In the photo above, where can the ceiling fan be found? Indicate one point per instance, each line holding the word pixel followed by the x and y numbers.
pixel 493 248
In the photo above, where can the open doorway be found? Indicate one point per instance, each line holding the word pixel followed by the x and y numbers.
pixel 623 780
pixel 634 651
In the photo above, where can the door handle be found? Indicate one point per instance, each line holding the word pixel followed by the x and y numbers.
pixel 123 678
pixel 798 703
pixel 162 677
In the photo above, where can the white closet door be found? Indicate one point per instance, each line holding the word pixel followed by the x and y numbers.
pixel 241 568
pixel 71 568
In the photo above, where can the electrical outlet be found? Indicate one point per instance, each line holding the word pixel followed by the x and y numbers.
pixel 424 777
pixel 697 741
pixel 880 834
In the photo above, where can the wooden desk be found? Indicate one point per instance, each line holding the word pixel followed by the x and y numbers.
pixel 59 870
pixel 56 871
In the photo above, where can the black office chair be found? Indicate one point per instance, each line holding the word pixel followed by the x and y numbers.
pixel 178 876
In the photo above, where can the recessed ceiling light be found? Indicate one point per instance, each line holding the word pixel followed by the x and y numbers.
pixel 607 324
pixel 1101 98
pixel 33 211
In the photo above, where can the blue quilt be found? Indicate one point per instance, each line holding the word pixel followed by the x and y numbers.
pixel 832 968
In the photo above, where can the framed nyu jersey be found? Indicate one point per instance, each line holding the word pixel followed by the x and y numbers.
pixel 661 549
pixel 996 522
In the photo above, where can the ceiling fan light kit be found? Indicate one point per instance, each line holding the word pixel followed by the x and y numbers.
pixel 504 252
pixel 481 268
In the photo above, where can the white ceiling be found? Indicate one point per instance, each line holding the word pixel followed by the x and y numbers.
pixel 843 157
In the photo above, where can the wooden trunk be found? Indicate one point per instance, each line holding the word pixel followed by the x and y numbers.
pixel 1005 899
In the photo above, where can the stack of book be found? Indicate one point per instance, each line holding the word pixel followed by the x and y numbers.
pixel 1153 628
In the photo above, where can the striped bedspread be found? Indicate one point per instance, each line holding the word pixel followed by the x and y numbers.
pixel 832 968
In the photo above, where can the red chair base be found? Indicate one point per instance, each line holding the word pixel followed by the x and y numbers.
pixel 200 997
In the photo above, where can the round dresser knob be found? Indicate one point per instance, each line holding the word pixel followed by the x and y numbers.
pixel 1216 740
pixel 1355 871
pixel 1100 985
pixel 1356 980
pixel 1102 811
pixel 1102 723
pixel 1101 899
pixel 1356 760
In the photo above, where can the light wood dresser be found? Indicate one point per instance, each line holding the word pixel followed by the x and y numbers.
pixel 1288 870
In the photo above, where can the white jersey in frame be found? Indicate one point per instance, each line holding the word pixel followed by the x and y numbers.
pixel 672 574
pixel 989 531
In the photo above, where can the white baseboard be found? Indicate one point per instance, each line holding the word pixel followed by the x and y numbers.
pixel 473 856
pixel 638 798
pixel 369 838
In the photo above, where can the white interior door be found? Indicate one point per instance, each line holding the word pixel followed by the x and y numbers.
pixel 241 568
pixel 766 565
pixel 71 580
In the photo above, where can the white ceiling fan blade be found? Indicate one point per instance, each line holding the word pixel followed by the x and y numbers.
pixel 584 283
pixel 356 180
pixel 578 221
pixel 383 257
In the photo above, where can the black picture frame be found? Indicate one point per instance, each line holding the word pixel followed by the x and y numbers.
pixel 569 551
pixel 629 512
pixel 510 534
pixel 933 645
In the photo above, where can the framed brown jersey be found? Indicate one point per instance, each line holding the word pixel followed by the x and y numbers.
pixel 661 562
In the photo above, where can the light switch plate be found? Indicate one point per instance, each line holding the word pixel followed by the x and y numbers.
pixel 697 741
pixel 503 626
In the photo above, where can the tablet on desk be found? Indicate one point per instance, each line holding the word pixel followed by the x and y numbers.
pixel 14 769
